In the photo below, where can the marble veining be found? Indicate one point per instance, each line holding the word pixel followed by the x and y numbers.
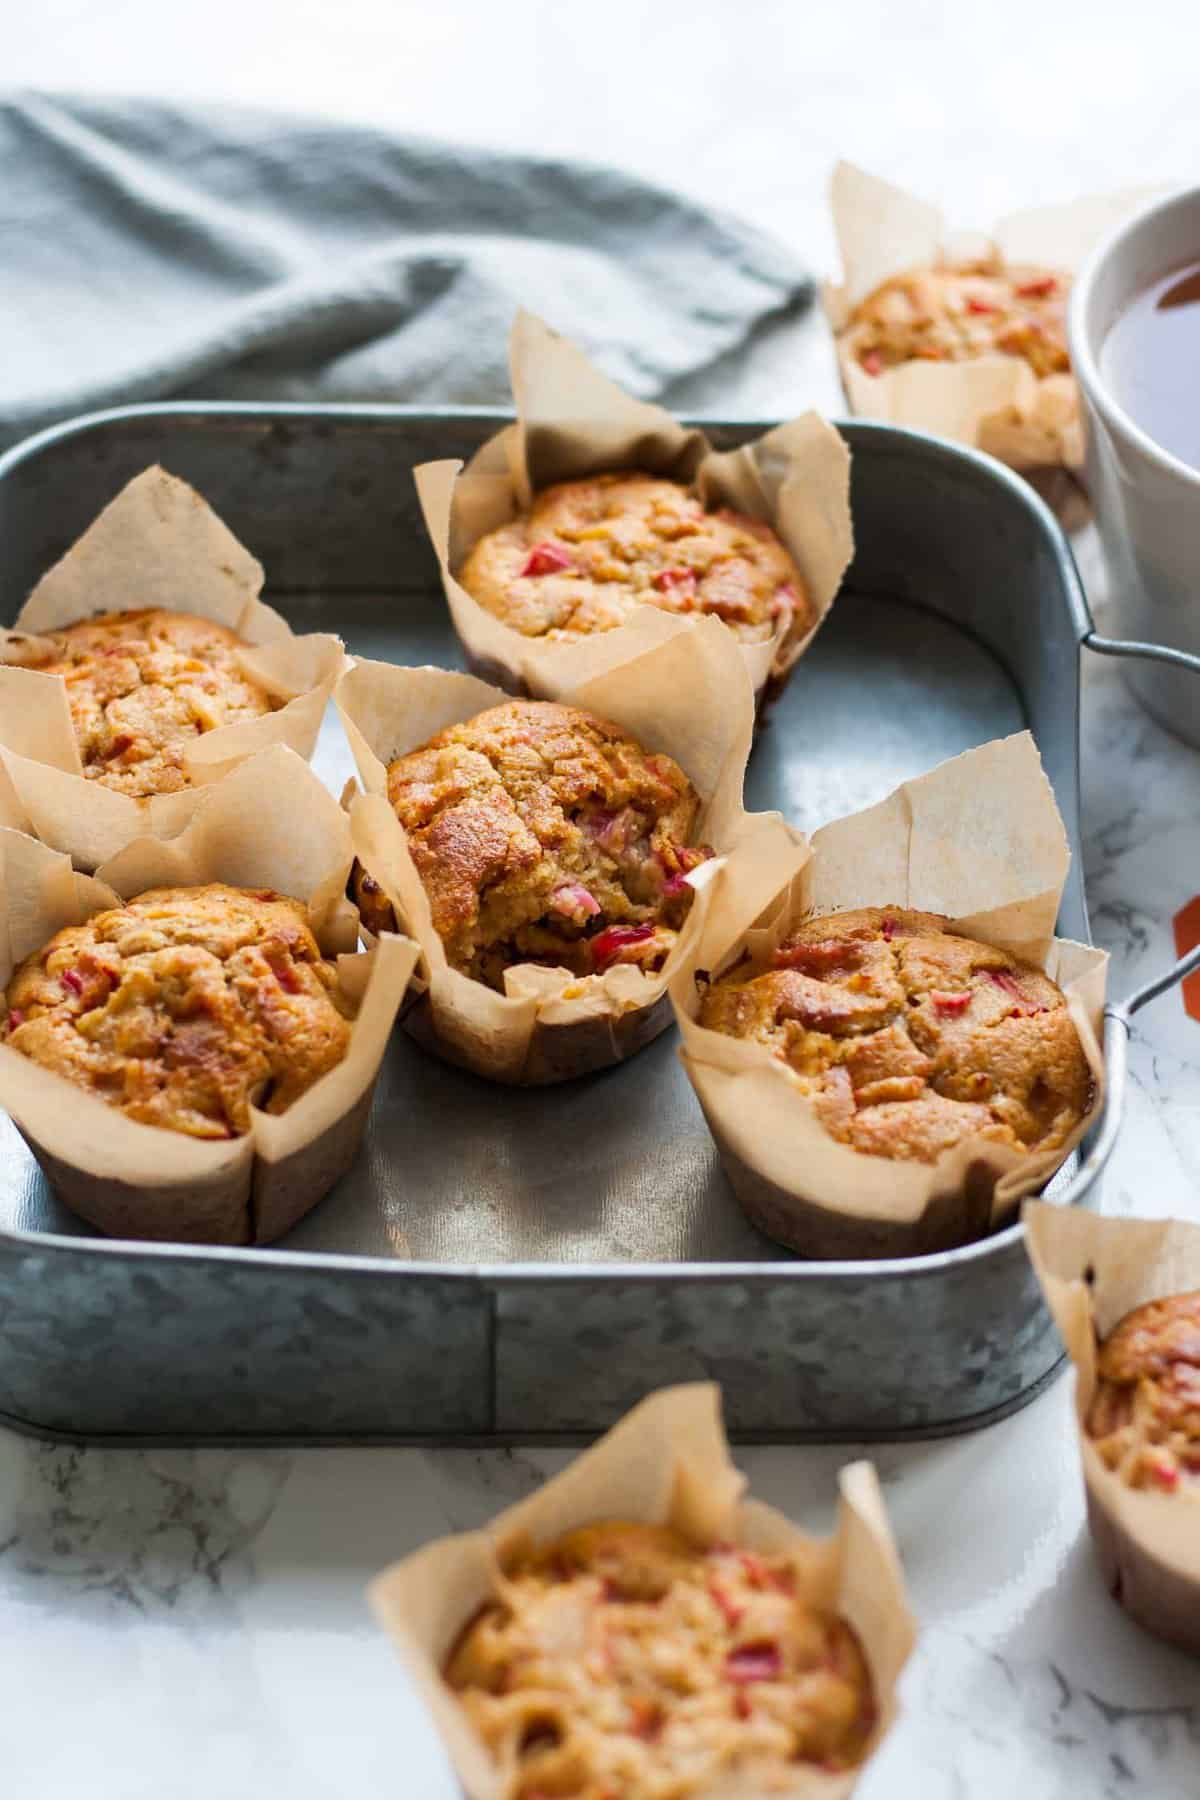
pixel 155 1532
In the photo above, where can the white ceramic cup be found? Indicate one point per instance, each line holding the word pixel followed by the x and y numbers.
pixel 1147 502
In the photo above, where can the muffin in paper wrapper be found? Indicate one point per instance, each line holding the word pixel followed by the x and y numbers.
pixel 1092 1272
pixel 573 422
pixel 268 824
pixel 158 544
pixel 666 1462
pixel 978 839
pixel 685 694
pixel 993 402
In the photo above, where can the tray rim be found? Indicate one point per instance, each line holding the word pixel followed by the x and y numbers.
pixel 33 1243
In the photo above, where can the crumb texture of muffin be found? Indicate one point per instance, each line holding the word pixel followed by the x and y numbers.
pixel 962 311
pixel 183 1008
pixel 545 835
pixel 588 552
pixel 143 686
pixel 623 1660
pixel 1145 1413
pixel 908 1038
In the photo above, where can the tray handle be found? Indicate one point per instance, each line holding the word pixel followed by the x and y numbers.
pixel 1103 646
pixel 1117 1018
pixel 1117 1014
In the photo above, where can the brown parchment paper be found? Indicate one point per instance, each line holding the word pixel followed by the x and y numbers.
pixel 571 422
pixel 1092 1272
pixel 978 838
pixel 994 403
pixel 666 1462
pixel 13 816
pixel 268 824
pixel 158 544
pixel 687 694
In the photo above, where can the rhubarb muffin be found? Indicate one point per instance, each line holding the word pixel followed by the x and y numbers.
pixel 143 686
pixel 962 311
pixel 623 1659
pixel 545 835
pixel 183 1008
pixel 909 1038
pixel 1145 1413
pixel 588 552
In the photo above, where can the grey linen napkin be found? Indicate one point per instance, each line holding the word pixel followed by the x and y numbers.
pixel 150 250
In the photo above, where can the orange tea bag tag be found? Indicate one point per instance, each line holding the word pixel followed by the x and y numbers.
pixel 1187 936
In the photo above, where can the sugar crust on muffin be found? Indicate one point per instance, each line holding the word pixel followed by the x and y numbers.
pixel 962 311
pixel 183 1008
pixel 543 834
pixel 622 1659
pixel 1145 1413
pixel 909 1038
pixel 588 552
pixel 142 686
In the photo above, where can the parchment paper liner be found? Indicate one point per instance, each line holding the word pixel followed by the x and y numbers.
pixel 269 824
pixel 994 403
pixel 571 422
pixel 978 838
pixel 157 544
pixel 666 1462
pixel 1092 1272
pixel 685 692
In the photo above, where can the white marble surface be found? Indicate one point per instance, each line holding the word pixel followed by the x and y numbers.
pixel 179 1625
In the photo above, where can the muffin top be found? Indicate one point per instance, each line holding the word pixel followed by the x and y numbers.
pixel 910 1038
pixel 621 1659
pixel 588 552
pixel 183 1008
pixel 544 835
pixel 1145 1413
pixel 963 311
pixel 143 686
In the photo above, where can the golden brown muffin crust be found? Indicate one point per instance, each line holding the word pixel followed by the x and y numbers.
pixel 909 1038
pixel 963 311
pixel 543 834
pixel 623 1660
pixel 588 552
pixel 183 1008
pixel 143 686
pixel 1145 1413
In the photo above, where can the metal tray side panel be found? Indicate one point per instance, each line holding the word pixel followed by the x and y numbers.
pixel 102 1345
pixel 325 499
pixel 822 1358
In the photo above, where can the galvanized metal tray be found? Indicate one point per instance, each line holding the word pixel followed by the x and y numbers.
pixel 504 1265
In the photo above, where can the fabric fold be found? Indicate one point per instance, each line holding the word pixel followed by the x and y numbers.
pixel 154 249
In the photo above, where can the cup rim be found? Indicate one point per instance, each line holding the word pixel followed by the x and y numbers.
pixel 1085 364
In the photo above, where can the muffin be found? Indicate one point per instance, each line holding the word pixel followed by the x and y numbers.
pixel 877 1082
pixel 1125 1296
pixel 184 1008
pixel 963 336
pixel 588 552
pixel 641 1629
pixel 909 1038
pixel 1145 1414
pixel 143 686
pixel 624 1659
pixel 962 311
pixel 593 525
pixel 143 667
pixel 544 835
